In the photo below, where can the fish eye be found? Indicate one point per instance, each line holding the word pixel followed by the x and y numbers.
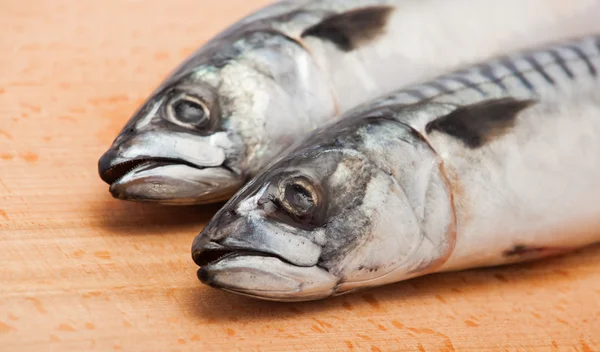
pixel 188 111
pixel 298 197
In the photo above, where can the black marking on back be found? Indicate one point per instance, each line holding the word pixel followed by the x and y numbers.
pixel 510 65
pixel 465 82
pixel 349 30
pixel 586 59
pixel 479 123
pixel 538 68
pixel 487 71
pixel 561 62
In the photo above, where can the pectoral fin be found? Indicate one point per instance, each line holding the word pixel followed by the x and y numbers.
pixel 351 29
pixel 476 124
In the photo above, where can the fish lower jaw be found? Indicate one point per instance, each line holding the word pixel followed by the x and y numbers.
pixel 115 173
pixel 174 183
pixel 267 277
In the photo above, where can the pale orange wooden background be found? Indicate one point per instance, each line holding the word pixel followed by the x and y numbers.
pixel 80 271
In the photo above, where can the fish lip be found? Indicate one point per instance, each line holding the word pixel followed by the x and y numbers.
pixel 114 173
pixel 175 183
pixel 107 173
pixel 267 277
pixel 213 252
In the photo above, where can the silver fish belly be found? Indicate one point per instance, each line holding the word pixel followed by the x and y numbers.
pixel 279 73
pixel 489 165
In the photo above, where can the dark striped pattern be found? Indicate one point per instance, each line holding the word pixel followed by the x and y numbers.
pixel 468 84
pixel 538 68
pixel 585 59
pixel 439 86
pixel 510 65
pixel 561 63
pixel 487 71
pixel 415 93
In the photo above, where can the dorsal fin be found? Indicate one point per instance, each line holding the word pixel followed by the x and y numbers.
pixel 349 30
pixel 479 123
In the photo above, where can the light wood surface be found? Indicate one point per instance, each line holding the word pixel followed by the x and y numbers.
pixel 80 271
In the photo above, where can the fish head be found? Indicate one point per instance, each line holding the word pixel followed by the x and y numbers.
pixel 331 218
pixel 177 148
pixel 214 122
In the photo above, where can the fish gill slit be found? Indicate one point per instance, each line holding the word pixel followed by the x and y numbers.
pixel 336 103
pixel 452 228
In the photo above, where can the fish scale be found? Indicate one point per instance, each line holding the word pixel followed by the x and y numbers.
pixel 499 169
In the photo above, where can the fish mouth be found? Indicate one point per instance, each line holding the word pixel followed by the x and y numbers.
pixel 169 181
pixel 171 168
pixel 261 275
pixel 112 174
pixel 213 252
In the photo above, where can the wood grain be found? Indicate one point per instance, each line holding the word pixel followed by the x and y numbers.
pixel 80 271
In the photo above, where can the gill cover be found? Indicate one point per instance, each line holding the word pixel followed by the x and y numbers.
pixel 403 226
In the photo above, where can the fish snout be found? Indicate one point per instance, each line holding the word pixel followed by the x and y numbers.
pixel 208 246
pixel 105 163
pixel 238 255
pixel 169 168
pixel 112 167
pixel 205 251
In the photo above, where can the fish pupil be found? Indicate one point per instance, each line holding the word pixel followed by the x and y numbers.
pixel 189 112
pixel 300 198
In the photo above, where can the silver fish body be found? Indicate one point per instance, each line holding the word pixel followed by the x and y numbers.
pixel 279 73
pixel 489 165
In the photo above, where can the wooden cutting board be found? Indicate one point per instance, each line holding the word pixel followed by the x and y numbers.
pixel 80 271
